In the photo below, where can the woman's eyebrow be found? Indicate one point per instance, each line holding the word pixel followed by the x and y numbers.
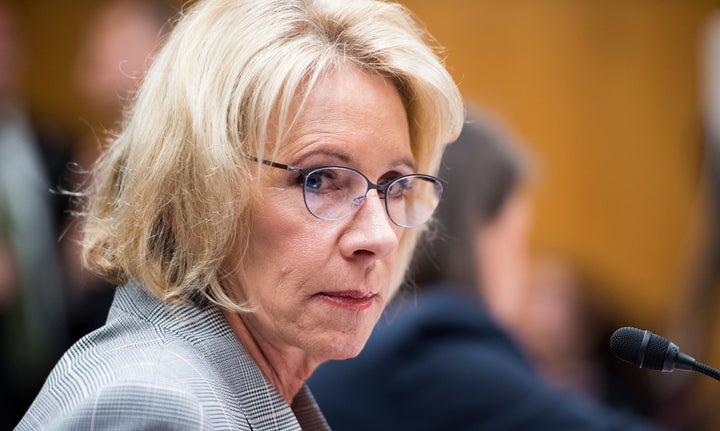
pixel 405 161
pixel 341 156
pixel 344 158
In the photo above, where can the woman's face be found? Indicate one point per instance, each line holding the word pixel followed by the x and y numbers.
pixel 317 286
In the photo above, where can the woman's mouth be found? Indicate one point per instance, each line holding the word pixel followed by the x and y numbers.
pixel 349 299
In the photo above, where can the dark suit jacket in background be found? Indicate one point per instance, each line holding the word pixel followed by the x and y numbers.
pixel 437 361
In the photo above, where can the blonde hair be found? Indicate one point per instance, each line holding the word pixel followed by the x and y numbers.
pixel 170 197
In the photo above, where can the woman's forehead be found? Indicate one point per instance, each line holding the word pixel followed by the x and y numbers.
pixel 346 108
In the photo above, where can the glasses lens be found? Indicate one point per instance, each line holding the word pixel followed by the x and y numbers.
pixel 332 193
pixel 412 199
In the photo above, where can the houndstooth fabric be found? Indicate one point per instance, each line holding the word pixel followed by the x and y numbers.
pixel 163 367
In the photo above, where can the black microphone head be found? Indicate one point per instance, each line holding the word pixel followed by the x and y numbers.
pixel 647 350
pixel 640 348
pixel 658 351
pixel 625 344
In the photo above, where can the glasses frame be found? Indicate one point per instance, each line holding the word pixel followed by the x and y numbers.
pixel 381 188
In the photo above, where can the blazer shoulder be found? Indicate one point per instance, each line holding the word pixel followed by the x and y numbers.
pixel 135 405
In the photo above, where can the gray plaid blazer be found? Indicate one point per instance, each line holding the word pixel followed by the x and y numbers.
pixel 157 367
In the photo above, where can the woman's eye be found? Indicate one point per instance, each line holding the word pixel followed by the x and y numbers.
pixel 314 182
pixel 399 188
pixel 321 181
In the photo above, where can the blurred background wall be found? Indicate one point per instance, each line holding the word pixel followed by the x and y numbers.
pixel 606 94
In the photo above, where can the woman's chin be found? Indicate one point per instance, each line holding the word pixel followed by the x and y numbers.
pixel 343 346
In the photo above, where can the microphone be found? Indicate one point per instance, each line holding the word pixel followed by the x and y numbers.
pixel 644 349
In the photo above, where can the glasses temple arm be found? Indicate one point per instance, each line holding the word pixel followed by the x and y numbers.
pixel 274 164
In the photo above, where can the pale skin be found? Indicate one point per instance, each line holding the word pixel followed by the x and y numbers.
pixel 502 259
pixel 318 287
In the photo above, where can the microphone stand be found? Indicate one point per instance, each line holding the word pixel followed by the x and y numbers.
pixel 707 370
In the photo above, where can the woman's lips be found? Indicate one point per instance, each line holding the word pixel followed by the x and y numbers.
pixel 349 299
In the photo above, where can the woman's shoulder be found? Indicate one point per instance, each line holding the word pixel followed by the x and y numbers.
pixel 143 334
pixel 146 404
pixel 147 356
pixel 106 381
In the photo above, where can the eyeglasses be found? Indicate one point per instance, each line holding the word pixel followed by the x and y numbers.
pixel 335 192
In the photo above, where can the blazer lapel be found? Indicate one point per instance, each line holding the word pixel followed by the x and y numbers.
pixel 204 326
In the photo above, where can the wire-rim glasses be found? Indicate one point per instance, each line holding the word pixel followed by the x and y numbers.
pixel 335 192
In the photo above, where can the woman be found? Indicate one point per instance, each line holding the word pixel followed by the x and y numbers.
pixel 259 209
pixel 439 360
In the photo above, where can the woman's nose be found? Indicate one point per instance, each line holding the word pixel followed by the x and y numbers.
pixel 371 232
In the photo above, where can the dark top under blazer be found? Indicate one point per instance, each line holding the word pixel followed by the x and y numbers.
pixel 158 367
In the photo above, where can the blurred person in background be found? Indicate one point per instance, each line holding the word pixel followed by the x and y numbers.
pixel 564 329
pixel 32 311
pixel 439 359
pixel 557 326
pixel 121 38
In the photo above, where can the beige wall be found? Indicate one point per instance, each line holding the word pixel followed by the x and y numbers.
pixel 52 31
pixel 606 94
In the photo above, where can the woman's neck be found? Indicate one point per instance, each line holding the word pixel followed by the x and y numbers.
pixel 285 369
